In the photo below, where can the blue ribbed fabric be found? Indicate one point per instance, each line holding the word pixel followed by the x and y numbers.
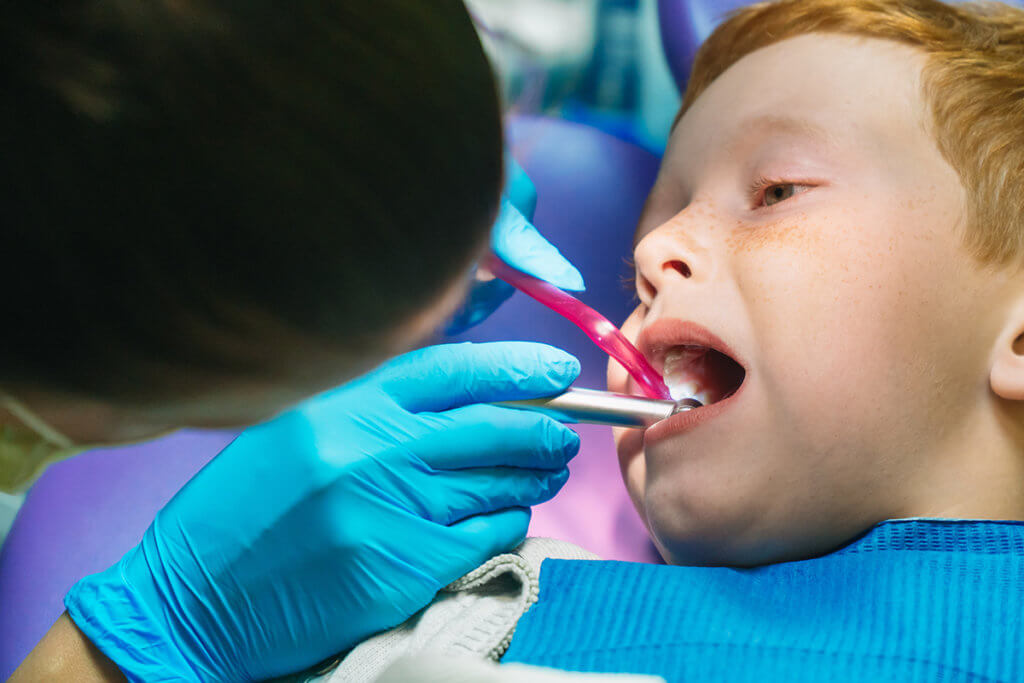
pixel 911 600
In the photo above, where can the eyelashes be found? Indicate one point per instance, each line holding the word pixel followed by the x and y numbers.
pixel 759 198
pixel 762 183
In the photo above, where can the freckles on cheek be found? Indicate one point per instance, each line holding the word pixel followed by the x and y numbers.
pixel 821 260
pixel 773 260
pixel 793 235
pixel 827 303
pixel 804 281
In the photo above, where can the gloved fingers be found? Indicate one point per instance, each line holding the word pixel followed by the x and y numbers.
pixel 483 299
pixel 458 494
pixel 439 378
pixel 519 244
pixel 519 189
pixel 482 435
pixel 481 537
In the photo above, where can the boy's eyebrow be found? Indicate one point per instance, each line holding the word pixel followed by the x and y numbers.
pixel 779 123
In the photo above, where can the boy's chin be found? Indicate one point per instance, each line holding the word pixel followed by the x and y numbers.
pixel 710 550
pixel 700 538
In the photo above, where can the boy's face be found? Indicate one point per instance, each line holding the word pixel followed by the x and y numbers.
pixel 804 217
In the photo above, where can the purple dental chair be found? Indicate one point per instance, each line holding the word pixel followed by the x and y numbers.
pixel 684 25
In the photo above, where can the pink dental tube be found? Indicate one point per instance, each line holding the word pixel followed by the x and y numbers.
pixel 596 326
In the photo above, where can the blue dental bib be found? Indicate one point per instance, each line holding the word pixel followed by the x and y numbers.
pixel 911 600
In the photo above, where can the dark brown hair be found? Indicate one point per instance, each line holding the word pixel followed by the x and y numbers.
pixel 178 176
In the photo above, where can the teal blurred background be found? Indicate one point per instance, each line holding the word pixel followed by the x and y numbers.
pixel 598 62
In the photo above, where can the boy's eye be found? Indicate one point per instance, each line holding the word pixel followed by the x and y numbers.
pixel 773 194
pixel 767 192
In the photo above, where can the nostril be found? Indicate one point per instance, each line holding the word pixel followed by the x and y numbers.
pixel 679 267
pixel 644 289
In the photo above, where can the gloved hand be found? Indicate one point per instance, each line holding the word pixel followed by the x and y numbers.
pixel 518 243
pixel 337 519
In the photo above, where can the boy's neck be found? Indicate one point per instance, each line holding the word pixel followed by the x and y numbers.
pixel 980 472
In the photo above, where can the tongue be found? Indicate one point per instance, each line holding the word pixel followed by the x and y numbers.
pixel 701 373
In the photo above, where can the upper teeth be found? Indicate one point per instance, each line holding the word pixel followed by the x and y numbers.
pixel 681 384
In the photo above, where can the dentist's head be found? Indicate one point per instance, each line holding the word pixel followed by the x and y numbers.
pixel 213 209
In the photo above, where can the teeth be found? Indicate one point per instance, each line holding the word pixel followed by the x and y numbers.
pixel 687 390
pixel 680 382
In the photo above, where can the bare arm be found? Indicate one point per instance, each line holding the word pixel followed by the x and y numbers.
pixel 65 654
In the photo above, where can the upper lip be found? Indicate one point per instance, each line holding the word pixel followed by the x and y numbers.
pixel 657 339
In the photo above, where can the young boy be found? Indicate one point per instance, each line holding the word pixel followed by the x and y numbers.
pixel 840 213
pixel 830 260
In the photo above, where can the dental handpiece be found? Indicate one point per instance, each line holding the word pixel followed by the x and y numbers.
pixel 604 407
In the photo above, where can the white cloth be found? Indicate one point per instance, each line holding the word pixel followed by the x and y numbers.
pixel 431 667
pixel 467 628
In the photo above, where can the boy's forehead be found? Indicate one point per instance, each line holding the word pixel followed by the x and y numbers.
pixel 836 90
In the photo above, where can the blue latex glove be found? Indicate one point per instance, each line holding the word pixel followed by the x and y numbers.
pixel 518 243
pixel 338 519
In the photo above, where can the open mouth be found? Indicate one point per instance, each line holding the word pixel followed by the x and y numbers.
pixel 701 372
pixel 693 361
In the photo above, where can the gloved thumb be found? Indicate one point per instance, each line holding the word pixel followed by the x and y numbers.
pixel 519 244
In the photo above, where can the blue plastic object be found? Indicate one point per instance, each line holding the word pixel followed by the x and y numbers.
pixel 337 519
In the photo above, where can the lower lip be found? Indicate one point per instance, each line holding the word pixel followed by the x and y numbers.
pixel 684 421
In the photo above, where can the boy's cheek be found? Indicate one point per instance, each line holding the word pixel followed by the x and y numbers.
pixel 813 279
pixel 823 316
pixel 846 348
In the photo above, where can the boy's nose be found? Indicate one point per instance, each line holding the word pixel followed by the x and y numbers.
pixel 669 254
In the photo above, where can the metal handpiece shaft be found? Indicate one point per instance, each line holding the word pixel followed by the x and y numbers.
pixel 603 407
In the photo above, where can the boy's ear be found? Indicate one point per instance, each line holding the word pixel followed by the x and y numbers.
pixel 1007 376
